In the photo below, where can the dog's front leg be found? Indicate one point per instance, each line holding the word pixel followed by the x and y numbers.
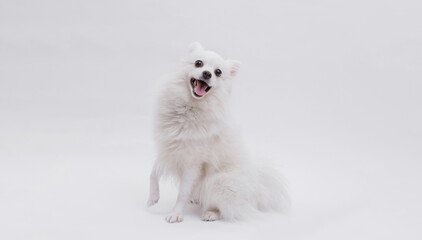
pixel 187 181
pixel 154 189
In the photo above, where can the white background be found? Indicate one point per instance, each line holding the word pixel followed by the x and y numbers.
pixel 328 90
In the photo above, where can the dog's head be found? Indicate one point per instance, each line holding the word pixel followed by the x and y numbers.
pixel 206 70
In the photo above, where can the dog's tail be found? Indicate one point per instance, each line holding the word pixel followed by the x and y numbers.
pixel 241 194
pixel 272 189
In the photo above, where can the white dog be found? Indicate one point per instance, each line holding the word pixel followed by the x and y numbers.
pixel 198 146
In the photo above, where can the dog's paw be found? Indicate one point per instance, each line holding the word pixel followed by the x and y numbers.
pixel 174 217
pixel 210 216
pixel 153 199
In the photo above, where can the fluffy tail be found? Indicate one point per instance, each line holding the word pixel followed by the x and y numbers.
pixel 272 190
pixel 240 194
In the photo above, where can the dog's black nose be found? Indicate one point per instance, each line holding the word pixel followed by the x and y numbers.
pixel 206 75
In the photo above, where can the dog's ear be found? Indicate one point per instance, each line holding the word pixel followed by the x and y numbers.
pixel 195 46
pixel 234 67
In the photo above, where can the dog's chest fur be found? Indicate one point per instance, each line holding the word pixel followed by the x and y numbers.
pixel 185 122
pixel 192 133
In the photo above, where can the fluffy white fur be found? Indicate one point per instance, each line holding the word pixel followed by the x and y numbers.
pixel 198 145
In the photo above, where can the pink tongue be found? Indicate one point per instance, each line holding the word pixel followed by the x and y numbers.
pixel 200 88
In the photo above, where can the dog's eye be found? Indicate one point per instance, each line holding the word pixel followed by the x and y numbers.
pixel 199 63
pixel 218 72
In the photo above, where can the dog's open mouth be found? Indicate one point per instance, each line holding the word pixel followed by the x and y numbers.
pixel 200 88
